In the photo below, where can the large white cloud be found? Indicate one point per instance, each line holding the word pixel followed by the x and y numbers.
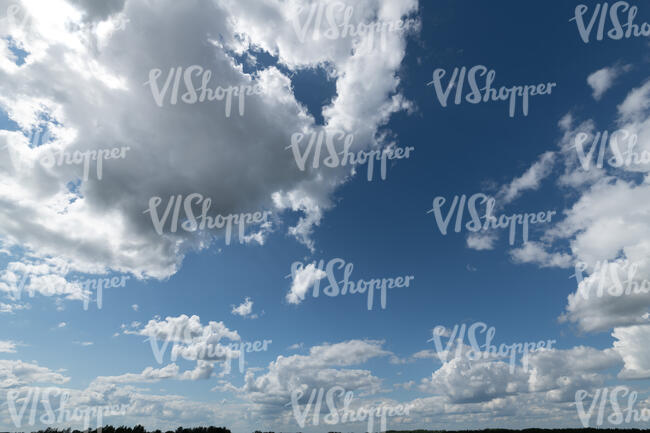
pixel 83 78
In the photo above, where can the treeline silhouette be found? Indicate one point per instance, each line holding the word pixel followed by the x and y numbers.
pixel 141 429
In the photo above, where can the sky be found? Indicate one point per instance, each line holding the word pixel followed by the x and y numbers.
pixel 108 153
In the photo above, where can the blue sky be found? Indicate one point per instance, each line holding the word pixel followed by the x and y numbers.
pixel 78 70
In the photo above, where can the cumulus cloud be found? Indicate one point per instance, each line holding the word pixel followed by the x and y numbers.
pixel 189 340
pixel 47 278
pixel 555 373
pixel 631 345
pixel 560 373
pixel 464 381
pixel 94 56
pixel 323 367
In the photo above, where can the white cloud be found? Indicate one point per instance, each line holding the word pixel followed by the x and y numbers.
pixel 631 345
pixel 482 241
pixel 244 309
pixel 464 381
pixel 535 252
pixel 149 374
pixel 44 277
pixel 601 80
pixel 606 223
pixel 426 354
pixel 99 101
pixel 556 373
pixel 187 338
pixel 11 308
pixel 302 281
pixel 636 103
pixel 530 180
pixel 560 373
pixel 16 373
pixel 135 307
pixel 322 367
pixel 7 346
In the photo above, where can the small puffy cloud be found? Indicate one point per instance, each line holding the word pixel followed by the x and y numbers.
pixel 482 241
pixel 244 309
pixel 149 374
pixel 7 346
pixel 426 354
pixel 135 307
pixel 61 325
pixel 535 252
pixel 601 80
pixel 302 280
